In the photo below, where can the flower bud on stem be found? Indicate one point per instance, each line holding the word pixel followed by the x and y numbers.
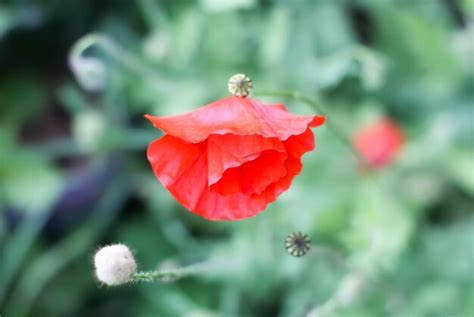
pixel 115 265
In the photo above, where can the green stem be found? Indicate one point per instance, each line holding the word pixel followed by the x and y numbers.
pixel 320 109
pixel 156 276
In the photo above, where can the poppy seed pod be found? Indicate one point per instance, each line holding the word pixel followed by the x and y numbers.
pixel 90 72
pixel 297 244
pixel 229 159
pixel 239 85
pixel 114 264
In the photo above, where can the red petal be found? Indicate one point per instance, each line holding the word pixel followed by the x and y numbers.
pixel 240 116
pixel 172 159
pixel 280 106
pixel 229 150
pixel 254 176
pixel 182 168
pixel 317 121
pixel 296 146
pixel 380 142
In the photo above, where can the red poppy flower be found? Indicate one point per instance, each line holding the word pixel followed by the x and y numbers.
pixel 380 142
pixel 229 159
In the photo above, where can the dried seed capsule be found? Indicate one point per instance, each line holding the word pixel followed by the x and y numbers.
pixel 297 244
pixel 239 85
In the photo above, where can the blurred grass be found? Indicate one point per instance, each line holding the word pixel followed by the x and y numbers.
pixel 73 172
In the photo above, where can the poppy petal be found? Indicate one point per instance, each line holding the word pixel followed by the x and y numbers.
pixel 253 176
pixel 317 121
pixel 183 171
pixel 296 146
pixel 280 106
pixel 229 150
pixel 239 116
pixel 380 142
pixel 173 162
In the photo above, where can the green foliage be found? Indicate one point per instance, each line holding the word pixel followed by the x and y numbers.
pixel 73 172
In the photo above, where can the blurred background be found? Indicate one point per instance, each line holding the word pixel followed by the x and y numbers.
pixel 77 77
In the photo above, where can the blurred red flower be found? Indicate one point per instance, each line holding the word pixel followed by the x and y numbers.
pixel 380 142
pixel 229 159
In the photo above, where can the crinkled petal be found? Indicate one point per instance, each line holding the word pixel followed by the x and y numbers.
pixel 296 147
pixel 178 164
pixel 235 115
pixel 253 177
pixel 182 168
pixel 229 150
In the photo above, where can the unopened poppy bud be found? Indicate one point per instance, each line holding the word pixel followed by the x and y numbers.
pixel 239 85
pixel 114 264
pixel 90 72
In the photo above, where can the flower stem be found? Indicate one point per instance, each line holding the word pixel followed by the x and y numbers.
pixel 156 276
pixel 320 109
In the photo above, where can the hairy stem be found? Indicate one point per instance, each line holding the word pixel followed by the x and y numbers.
pixel 174 274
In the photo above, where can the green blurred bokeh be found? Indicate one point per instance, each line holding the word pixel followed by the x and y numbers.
pixel 74 175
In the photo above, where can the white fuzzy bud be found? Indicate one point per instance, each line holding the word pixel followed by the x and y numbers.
pixel 114 264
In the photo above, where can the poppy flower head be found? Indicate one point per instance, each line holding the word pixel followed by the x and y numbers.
pixel 229 159
pixel 380 142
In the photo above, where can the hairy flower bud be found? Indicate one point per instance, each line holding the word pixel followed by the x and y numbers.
pixel 90 72
pixel 114 264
